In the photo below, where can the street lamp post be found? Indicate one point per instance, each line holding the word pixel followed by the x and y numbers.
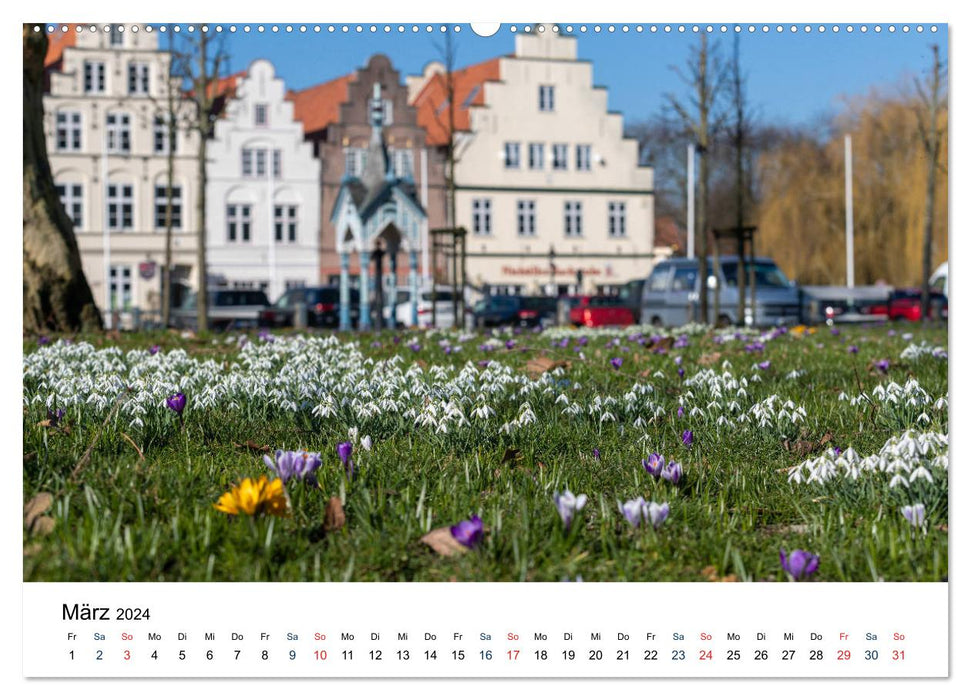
pixel 552 271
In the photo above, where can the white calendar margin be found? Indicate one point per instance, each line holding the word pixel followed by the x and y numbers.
pixel 477 621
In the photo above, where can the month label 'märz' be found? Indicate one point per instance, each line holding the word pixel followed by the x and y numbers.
pixel 561 629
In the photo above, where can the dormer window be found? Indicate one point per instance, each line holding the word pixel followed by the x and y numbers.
pixel 260 118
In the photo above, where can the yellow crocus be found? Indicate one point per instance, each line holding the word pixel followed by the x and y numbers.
pixel 253 497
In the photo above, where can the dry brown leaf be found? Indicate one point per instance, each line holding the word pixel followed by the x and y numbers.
pixel 32 549
pixel 666 343
pixel 46 423
pixel 41 526
pixel 539 365
pixel 334 517
pixel 942 528
pixel 709 358
pixel 511 454
pixel 250 445
pixel 443 543
pixel 37 506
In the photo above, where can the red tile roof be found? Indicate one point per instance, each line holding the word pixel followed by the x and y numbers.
pixel 57 41
pixel 432 105
pixel 319 106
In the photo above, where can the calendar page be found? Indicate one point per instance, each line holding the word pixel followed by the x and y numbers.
pixel 515 350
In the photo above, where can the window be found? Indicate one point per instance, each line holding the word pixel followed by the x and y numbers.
pixel 559 156
pixel 403 161
pixel 255 160
pixel 573 218
pixel 94 77
pixel 277 162
pixel 247 162
pixel 260 116
pixel 137 78
pixel 160 135
pixel 260 162
pixel 684 279
pixel 238 223
pixel 285 223
pixel 120 207
pixel 161 203
pixel 68 127
pixel 545 98
pixel 526 217
pixel 482 217
pixel 617 219
pixel 536 156
pixel 120 287
pixel 658 281
pixel 72 199
pixel 583 156
pixel 118 125
pixel 355 161
pixel 115 36
pixel 512 155
pixel 388 116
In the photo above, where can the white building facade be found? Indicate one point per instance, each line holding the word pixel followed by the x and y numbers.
pixel 105 115
pixel 547 186
pixel 263 191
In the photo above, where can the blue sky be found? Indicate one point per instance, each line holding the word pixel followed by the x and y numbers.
pixel 793 77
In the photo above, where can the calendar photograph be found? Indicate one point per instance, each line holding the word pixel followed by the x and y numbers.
pixel 540 303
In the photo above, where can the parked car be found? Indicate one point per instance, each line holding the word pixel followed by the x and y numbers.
pixel 228 308
pixel 444 311
pixel 672 291
pixel 323 306
pixel 904 305
pixel 506 310
pixel 599 311
pixel 939 279
pixel 832 305
pixel 631 294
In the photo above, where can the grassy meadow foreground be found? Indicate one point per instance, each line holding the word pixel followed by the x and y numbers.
pixel 154 457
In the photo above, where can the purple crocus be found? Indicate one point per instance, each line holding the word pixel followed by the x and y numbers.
pixel 568 505
pixel 295 464
pixel 765 365
pixel 653 464
pixel 43 340
pixel 681 372
pixel 853 349
pixel 154 349
pixel 55 416
pixel 656 513
pixel 800 564
pixel 882 365
pixel 265 335
pixel 582 340
pixel 671 472
pixel 633 510
pixel 914 514
pixel 176 402
pixel 468 533
pixel 415 347
pixel 344 450
pixel 510 344
pixel 564 343
pixel 483 363
pixel 596 453
pixel 688 437
pixel 680 411
pixel 616 362
pixel 681 342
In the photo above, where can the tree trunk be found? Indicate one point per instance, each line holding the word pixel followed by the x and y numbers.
pixel 56 293
pixel 169 184
pixel 203 96
pixel 931 147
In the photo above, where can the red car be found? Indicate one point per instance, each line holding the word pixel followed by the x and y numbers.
pixel 599 311
pixel 904 305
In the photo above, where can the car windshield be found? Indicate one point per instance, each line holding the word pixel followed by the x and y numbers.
pixel 767 274
pixel 441 295
pixel 324 295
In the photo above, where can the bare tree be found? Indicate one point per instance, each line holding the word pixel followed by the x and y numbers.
pixel 171 110
pixel 932 104
pixel 740 145
pixel 705 77
pixel 56 293
pixel 204 76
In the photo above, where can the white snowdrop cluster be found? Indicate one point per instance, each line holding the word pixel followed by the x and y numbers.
pixel 905 458
pixel 922 351
pixel 724 398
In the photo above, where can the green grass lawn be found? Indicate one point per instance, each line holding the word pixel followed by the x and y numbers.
pixel 133 491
